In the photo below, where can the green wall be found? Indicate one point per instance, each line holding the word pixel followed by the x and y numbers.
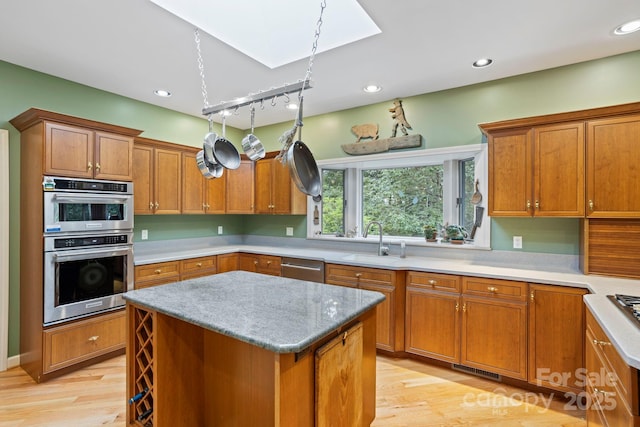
pixel 445 118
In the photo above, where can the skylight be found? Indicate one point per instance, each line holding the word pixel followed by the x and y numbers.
pixel 275 33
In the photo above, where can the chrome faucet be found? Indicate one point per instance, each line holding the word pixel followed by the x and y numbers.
pixel 382 250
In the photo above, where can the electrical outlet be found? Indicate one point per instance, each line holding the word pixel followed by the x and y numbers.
pixel 219 229
pixel 517 242
pixel 145 234
pixel 289 231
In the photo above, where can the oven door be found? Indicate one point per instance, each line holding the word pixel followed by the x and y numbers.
pixel 72 212
pixel 81 282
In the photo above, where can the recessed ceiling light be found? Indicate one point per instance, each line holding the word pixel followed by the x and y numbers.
pixel 163 93
pixel 627 28
pixel 372 88
pixel 483 62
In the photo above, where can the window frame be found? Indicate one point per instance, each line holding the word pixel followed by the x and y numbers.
pixel 449 157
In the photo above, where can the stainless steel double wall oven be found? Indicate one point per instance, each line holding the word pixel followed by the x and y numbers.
pixel 88 246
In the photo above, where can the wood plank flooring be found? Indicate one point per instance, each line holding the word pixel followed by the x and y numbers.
pixel 409 393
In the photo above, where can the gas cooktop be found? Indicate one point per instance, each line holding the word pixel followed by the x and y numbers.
pixel 630 306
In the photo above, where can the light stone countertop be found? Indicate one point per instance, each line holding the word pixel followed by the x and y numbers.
pixel 623 333
pixel 276 313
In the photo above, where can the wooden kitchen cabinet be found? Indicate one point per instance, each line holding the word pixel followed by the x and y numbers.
pixel 197 267
pixel 432 321
pixel 613 156
pixel 227 262
pixel 494 326
pixel 265 264
pixel 72 343
pixel 157 177
pixel 156 274
pixel 275 192
pixel 611 384
pixel 556 337
pixel 537 171
pixel 240 189
pixel 390 312
pixel 199 194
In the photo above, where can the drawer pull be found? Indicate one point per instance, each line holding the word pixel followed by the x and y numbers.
pixel 532 295
pixel 89 166
pixel 433 282
pixel 464 307
pixel 268 262
pixel 98 167
pixel 93 338
pixel 158 271
pixel 358 275
pixel 602 392
pixel 199 264
pixel 255 262
pixel 457 307
pixel 601 343
pixel 492 289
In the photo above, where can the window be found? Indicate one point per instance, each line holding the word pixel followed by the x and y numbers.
pixel 403 192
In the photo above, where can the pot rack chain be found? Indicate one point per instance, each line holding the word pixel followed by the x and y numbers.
pixel 314 47
pixel 205 97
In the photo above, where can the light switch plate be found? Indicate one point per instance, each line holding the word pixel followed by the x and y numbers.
pixel 219 229
pixel 145 234
pixel 517 242
pixel 289 231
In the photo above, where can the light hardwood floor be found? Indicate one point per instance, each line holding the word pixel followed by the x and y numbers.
pixel 409 393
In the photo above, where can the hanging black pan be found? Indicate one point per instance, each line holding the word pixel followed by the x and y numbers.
pixel 302 166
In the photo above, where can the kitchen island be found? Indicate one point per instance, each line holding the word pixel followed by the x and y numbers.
pixel 242 348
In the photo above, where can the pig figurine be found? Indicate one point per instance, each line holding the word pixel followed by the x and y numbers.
pixel 369 130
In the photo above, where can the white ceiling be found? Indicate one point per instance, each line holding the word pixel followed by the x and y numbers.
pixel 132 47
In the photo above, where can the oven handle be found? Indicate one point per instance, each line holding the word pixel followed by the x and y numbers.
pixel 83 254
pixel 97 198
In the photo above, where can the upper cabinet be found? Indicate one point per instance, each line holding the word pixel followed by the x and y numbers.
pixel 537 172
pixel 201 195
pixel 240 190
pixel 157 177
pixel 275 191
pixel 576 164
pixel 77 147
pixel 613 165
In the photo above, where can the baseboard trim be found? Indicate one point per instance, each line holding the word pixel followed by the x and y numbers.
pixel 13 362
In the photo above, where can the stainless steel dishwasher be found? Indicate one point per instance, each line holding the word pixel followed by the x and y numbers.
pixel 303 269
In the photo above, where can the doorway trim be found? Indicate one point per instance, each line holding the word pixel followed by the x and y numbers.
pixel 4 249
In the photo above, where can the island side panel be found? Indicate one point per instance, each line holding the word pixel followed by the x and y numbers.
pixel 179 373
pixel 368 320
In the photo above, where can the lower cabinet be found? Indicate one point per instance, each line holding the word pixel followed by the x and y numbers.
pixel 556 337
pixel 156 274
pixel 76 342
pixel 227 262
pixel 197 267
pixel 612 385
pixel 390 312
pixel 265 264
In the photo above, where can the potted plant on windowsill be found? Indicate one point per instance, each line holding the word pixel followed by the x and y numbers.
pixel 430 233
pixel 455 234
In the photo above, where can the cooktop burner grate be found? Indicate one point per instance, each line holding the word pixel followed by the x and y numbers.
pixel 629 304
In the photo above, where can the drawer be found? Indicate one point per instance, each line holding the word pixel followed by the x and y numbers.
pixel 434 282
pixel 621 372
pixel 69 344
pixel 163 272
pixel 504 289
pixel 193 267
pixel 265 264
pixel 354 276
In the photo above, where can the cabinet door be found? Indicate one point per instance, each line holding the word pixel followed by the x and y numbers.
pixel 263 185
pixel 433 324
pixel 385 315
pixel 510 173
pixel 68 151
pixel 556 336
pixel 227 262
pixel 280 187
pixel 240 187
pixel 193 186
pixel 613 172
pixel 113 157
pixel 494 336
pixel 156 274
pixel 559 170
pixel 248 262
pixel 167 173
pixel 215 195
pixel 143 195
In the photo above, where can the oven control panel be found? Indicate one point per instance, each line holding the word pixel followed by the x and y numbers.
pixel 84 241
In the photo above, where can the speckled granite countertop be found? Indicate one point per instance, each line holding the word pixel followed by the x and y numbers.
pixel 279 314
pixel 624 334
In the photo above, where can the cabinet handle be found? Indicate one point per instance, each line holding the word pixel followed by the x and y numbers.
pixel 158 271
pixel 358 275
pixel 93 338
pixel 464 307
pixel 432 282
pixel 492 289
pixel 98 167
pixel 89 166
pixel 528 204
pixel 199 264
pixel 537 204
pixel 532 296
pixel 602 392
pixel 601 343
pixel 157 204
pixel 268 262
pixel 255 262
pixel 590 204
pixel 204 206
pixel 151 206
pixel 208 205
pixel 457 307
